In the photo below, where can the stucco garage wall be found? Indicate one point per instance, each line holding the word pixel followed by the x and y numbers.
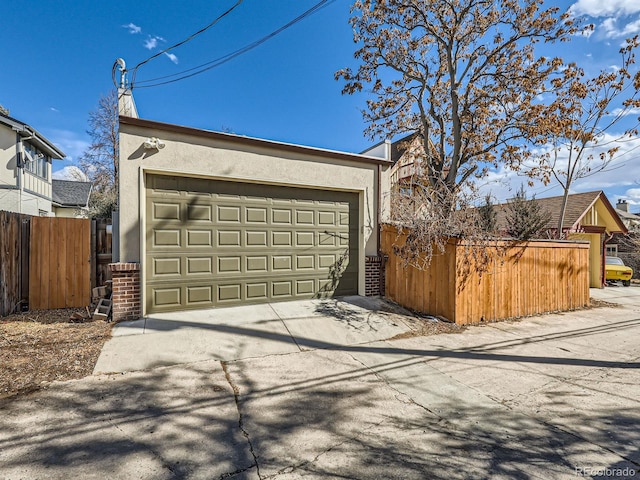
pixel 197 153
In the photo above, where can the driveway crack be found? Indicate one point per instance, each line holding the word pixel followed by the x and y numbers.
pixel 292 468
pixel 236 395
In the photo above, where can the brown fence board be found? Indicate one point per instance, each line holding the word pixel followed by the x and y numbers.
pixel 12 293
pixel 526 279
pixel 60 263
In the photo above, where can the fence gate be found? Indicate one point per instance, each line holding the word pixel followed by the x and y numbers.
pixel 59 263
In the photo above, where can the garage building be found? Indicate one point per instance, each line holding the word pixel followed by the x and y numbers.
pixel 210 219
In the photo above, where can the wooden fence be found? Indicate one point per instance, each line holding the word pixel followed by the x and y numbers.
pixel 519 279
pixel 101 242
pixel 50 262
pixel 14 260
pixel 59 263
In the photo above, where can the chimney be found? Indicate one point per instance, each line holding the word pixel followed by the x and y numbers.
pixel 622 205
pixel 126 105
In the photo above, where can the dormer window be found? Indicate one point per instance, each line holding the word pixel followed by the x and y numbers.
pixel 35 161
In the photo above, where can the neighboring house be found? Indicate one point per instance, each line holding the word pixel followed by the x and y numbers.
pixel 25 168
pixel 70 198
pixel 589 216
pixel 627 246
pixel 215 219
pixel 407 157
pixel 406 162
pixel 630 220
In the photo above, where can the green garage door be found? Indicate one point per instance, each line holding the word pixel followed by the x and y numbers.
pixel 216 243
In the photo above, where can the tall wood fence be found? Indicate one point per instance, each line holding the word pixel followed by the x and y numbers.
pixel 14 260
pixel 519 279
pixel 59 263
pixel 50 262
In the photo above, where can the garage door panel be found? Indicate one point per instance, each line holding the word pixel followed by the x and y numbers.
pixel 201 295
pixel 199 265
pixel 256 263
pixel 166 211
pixel 166 266
pixel 281 239
pixel 282 289
pixel 199 238
pixel 224 243
pixel 229 238
pixel 167 297
pixel 305 262
pixel 305 239
pixel 280 263
pixel 255 291
pixel 256 215
pixel 166 238
pixel 280 216
pixel 229 293
pixel 199 213
pixel 256 238
pixel 228 214
pixel 229 264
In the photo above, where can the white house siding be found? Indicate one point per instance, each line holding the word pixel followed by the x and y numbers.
pixel 34 198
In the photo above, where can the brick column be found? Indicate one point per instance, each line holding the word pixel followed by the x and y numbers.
pixel 374 276
pixel 126 291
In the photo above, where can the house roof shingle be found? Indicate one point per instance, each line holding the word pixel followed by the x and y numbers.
pixel 69 193
pixel 577 205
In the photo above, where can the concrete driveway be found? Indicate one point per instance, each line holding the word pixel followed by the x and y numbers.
pixel 321 392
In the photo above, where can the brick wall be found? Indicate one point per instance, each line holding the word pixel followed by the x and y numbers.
pixel 126 291
pixel 374 276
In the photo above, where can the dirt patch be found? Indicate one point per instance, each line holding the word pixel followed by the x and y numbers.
pixel 424 327
pixel 38 347
pixel 595 303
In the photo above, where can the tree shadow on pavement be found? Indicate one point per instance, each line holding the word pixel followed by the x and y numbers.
pixel 318 414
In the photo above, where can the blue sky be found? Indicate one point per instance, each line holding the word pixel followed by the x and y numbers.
pixel 58 58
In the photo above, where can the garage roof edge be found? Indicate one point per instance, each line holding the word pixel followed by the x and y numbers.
pixel 138 122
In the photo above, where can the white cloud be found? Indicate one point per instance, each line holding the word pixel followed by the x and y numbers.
pixel 619 111
pixel 133 28
pixel 632 196
pixel 53 109
pixel 623 171
pixel 605 8
pixel 611 29
pixel 70 172
pixel 172 57
pixel 69 142
pixel 152 42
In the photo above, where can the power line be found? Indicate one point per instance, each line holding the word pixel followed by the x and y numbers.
pixel 230 56
pixel 189 38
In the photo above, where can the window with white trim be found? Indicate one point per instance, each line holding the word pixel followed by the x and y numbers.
pixel 612 250
pixel 36 162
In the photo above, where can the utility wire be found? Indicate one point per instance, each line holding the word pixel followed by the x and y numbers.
pixel 230 56
pixel 189 38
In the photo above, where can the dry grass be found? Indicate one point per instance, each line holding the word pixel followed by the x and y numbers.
pixel 43 346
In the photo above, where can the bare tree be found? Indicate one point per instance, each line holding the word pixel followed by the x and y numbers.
pixel 571 129
pixel 100 161
pixel 462 74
